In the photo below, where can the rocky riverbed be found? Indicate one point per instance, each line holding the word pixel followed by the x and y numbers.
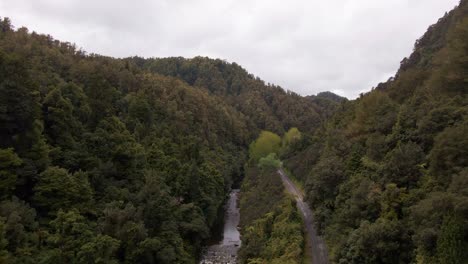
pixel 225 252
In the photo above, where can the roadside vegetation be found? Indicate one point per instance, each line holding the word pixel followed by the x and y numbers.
pixel 387 174
pixel 271 225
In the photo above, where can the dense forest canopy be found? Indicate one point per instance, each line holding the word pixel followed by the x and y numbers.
pixel 106 160
pixel 387 174
pixel 271 226
pixel 123 160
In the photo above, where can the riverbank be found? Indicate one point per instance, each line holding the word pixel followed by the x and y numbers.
pixel 225 251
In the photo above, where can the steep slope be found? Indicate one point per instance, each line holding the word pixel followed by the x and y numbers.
pixel 100 160
pixel 266 106
pixel 387 175
pixel 122 160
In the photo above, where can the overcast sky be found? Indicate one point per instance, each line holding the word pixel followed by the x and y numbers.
pixel 307 46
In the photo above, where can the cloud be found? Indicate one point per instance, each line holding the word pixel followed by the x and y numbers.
pixel 345 46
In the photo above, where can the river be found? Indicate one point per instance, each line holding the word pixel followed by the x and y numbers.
pixel 225 251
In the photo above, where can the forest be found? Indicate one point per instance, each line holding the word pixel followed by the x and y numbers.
pixel 130 160
pixel 271 226
pixel 387 174
pixel 109 160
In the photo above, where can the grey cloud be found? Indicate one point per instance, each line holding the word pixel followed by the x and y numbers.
pixel 345 46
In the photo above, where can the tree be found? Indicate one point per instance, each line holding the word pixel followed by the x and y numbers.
pixel 451 245
pixel 449 155
pixel 265 144
pixel 269 162
pixel 381 242
pixel 20 120
pixel 124 223
pixel 20 228
pixel 58 189
pixel 4 254
pixel 376 112
pixel 403 165
pixel 325 178
pixel 101 249
pixel 290 137
pixel 9 163
pixel 70 231
pixel 113 143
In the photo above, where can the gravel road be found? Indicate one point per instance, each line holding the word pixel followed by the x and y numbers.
pixel 316 245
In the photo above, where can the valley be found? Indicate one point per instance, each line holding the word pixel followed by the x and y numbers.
pixel 134 160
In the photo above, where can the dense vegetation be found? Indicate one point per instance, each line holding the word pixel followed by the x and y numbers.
pixel 107 160
pixel 387 175
pixel 271 225
pixel 123 160
pixel 265 106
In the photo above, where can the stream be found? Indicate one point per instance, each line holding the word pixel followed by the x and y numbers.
pixel 225 251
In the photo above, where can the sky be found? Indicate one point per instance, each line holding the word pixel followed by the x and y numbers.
pixel 306 46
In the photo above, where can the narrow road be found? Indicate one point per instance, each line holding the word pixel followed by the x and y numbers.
pixel 316 245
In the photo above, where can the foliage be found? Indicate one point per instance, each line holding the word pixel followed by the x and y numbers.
pixel 268 107
pixel 9 163
pixel 58 189
pixel 451 246
pixel 386 174
pixel 129 160
pixel 270 161
pixel 125 160
pixel 293 135
pixel 274 238
pixel 266 143
pixel 271 225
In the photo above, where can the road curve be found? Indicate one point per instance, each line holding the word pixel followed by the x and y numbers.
pixel 316 245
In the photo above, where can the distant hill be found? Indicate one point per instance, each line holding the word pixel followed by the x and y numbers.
pixel 328 95
pixel 267 106
pixel 328 102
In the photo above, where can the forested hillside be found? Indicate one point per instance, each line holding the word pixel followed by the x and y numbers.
pixel 387 176
pixel 106 160
pixel 109 160
pixel 266 106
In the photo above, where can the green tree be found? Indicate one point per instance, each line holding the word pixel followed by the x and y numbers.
pixel 101 249
pixel 449 155
pixel 70 231
pixel 269 162
pixel 20 228
pixel 293 135
pixel 9 163
pixel 403 165
pixel 266 143
pixel 381 242
pixel 4 254
pixel 58 189
pixel 124 223
pixel 451 243
pixel 113 143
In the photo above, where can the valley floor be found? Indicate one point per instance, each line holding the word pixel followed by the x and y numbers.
pixel 225 252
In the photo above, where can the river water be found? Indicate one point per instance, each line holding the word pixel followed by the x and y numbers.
pixel 225 251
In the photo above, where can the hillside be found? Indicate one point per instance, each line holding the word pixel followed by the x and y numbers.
pixel 266 106
pixel 123 160
pixel 387 175
pixel 107 160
